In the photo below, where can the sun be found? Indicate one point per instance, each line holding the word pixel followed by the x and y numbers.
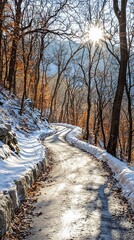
pixel 94 34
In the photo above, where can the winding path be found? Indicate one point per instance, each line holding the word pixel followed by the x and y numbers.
pixel 78 200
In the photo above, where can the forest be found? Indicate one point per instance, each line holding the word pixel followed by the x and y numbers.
pixel 75 61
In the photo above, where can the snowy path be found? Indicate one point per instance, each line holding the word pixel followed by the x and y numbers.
pixel 77 201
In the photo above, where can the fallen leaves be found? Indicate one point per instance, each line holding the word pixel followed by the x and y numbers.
pixel 21 224
pixel 38 214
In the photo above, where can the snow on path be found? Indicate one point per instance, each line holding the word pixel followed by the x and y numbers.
pixel 77 201
pixel 123 174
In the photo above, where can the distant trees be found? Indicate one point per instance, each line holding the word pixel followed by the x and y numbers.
pixel 62 61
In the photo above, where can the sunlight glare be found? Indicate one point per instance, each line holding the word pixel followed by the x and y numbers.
pixel 70 220
pixel 94 34
pixel 70 216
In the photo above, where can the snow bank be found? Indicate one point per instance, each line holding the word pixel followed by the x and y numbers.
pixel 29 130
pixel 19 169
pixel 122 173
pixel 15 166
pixel 18 173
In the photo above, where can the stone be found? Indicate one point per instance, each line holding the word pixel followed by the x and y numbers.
pixel 11 200
pixel 15 140
pixel 13 194
pixel 2 223
pixel 12 146
pixel 21 188
pixel 3 130
pixel 2 154
pixel 30 178
pixel 6 213
pixel 10 136
pixel 8 126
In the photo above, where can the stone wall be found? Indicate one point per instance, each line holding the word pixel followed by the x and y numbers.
pixel 11 200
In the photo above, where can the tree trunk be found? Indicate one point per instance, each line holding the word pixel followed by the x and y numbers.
pixel 11 74
pixel 26 66
pixel 88 114
pixel 37 74
pixel 88 97
pixel 114 131
pixel 102 128
pixel 52 112
pixel 24 92
pixel 6 61
pixel 97 127
pixel 62 107
pixel 2 5
pixel 43 90
pixel 130 131
pixel 1 60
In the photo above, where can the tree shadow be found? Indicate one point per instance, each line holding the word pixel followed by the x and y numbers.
pixel 112 226
pixel 56 137
pixel 109 226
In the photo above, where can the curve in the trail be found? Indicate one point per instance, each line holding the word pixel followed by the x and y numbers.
pixel 78 200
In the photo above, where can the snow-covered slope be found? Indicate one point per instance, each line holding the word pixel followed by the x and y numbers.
pixel 27 129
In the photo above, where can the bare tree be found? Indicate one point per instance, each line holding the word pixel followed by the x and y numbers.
pixel 129 85
pixel 41 22
pixel 88 75
pixel 62 63
pixel 27 53
pixel 114 132
pixel 2 5
pixel 16 31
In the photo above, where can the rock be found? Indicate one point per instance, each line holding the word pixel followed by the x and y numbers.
pixel 22 188
pixel 15 140
pixel 8 138
pixel 8 126
pixel 6 213
pixel 14 197
pixel 3 131
pixel 11 200
pixel 6 149
pixel 30 178
pixel 2 223
pixel 2 154
pixel 4 139
pixel 12 146
pixel 11 139
pixel 42 136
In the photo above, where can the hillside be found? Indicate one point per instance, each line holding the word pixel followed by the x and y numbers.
pixel 20 139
